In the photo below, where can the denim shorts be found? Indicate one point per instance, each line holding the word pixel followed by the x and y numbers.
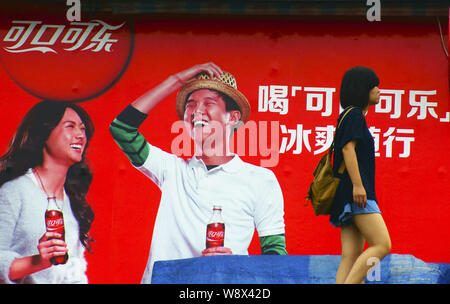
pixel 350 209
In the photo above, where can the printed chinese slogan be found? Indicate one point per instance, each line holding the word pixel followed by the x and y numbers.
pixel 398 104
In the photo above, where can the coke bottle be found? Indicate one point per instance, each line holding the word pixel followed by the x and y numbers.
pixel 215 230
pixel 54 221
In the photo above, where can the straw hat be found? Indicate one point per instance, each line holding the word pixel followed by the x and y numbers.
pixel 226 84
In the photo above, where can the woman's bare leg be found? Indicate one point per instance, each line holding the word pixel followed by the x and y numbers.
pixel 374 230
pixel 352 244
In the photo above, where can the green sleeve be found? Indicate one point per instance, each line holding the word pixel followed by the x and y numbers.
pixel 273 244
pixel 124 131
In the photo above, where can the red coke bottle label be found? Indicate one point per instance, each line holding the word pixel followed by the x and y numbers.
pixel 54 221
pixel 215 235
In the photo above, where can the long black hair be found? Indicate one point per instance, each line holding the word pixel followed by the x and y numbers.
pixel 25 151
pixel 356 86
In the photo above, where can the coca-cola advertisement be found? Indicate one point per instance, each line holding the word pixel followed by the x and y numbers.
pixel 131 137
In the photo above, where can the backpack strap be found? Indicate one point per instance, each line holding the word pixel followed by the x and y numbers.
pixel 345 114
pixel 342 166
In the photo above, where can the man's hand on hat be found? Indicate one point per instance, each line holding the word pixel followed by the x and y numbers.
pixel 217 251
pixel 211 68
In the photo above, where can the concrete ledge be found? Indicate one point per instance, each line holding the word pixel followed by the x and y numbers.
pixel 301 269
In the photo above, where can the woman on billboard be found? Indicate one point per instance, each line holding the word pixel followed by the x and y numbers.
pixel 44 168
pixel 355 208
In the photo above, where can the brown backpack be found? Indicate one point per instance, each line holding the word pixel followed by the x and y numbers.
pixel 323 188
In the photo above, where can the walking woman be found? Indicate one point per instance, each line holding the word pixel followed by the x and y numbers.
pixel 46 157
pixel 355 208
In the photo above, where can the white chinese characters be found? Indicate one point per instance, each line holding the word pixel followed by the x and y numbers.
pixel 277 98
pixel 390 141
pixel 29 36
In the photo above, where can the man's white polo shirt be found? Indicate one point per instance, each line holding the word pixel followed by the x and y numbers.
pixel 250 197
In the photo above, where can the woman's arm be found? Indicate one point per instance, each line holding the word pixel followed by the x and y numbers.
pixel 25 266
pixel 351 163
pixel 49 246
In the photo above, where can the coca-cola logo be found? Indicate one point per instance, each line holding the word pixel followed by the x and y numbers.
pixel 215 235
pixel 34 36
pixel 52 58
pixel 55 223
